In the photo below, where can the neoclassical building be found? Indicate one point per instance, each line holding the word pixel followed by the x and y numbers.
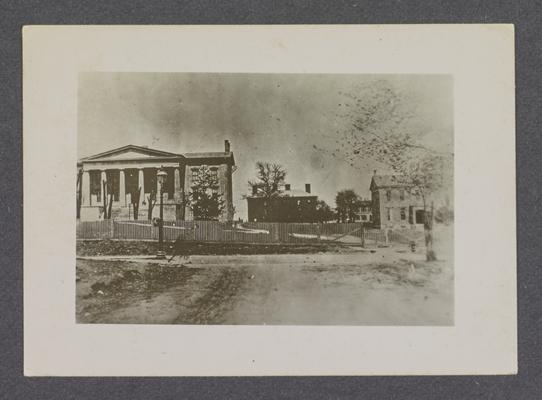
pixel 128 168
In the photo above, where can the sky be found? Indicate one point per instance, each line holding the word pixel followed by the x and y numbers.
pixel 277 118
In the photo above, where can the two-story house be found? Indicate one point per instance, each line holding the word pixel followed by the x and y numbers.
pixel 393 206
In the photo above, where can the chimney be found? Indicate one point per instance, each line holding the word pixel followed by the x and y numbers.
pixel 287 186
pixel 227 146
pixel 374 172
pixel 307 187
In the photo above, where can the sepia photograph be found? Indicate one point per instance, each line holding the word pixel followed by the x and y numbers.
pixel 265 199
pixel 269 200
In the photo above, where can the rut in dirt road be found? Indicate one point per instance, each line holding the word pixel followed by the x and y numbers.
pixel 219 297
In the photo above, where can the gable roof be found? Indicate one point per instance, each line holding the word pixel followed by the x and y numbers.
pixel 131 152
pixel 388 181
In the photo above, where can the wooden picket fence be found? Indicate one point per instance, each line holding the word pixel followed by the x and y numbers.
pixel 247 232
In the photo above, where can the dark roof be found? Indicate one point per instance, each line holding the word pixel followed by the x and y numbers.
pixel 288 193
pixel 210 154
pixel 391 181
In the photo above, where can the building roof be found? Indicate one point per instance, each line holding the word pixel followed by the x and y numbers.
pixel 388 181
pixel 133 152
pixel 288 193
pixel 295 193
pixel 210 154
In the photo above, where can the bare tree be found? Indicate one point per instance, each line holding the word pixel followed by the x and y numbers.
pixel 107 199
pixel 269 177
pixel 151 202
pixel 380 129
pixel 134 200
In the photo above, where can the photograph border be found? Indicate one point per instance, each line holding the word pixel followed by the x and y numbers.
pixel 529 145
pixel 483 338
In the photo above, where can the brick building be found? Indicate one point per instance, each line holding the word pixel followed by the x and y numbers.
pixel 392 204
pixel 287 205
pixel 131 167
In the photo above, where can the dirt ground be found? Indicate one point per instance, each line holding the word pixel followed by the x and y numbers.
pixel 385 286
pixel 140 247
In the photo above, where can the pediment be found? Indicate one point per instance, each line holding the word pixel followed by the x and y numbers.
pixel 130 152
pixel 127 155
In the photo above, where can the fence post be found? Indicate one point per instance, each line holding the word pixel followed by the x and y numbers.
pixel 112 228
pixel 362 235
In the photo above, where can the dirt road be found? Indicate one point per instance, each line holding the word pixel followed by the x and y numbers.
pixel 354 288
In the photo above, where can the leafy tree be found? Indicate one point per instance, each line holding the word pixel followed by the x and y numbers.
pixel 444 215
pixel 269 177
pixel 348 204
pixel 381 129
pixel 323 212
pixel 204 200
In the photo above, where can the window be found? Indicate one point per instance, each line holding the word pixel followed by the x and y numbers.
pixel 388 195
pixel 389 214
pixel 214 173
pixel 403 214
pixel 402 194
pixel 194 172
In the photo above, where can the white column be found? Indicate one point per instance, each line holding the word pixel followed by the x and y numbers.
pixel 122 188
pixel 102 179
pixel 141 183
pixel 85 188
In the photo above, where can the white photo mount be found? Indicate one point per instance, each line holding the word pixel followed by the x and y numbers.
pixel 483 339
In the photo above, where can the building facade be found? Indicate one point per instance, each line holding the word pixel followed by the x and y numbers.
pixel 132 170
pixel 393 206
pixel 365 213
pixel 286 205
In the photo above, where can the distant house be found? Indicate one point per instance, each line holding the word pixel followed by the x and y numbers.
pixel 129 168
pixel 392 204
pixel 365 213
pixel 286 205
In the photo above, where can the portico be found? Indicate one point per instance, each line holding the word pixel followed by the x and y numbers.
pixel 130 176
